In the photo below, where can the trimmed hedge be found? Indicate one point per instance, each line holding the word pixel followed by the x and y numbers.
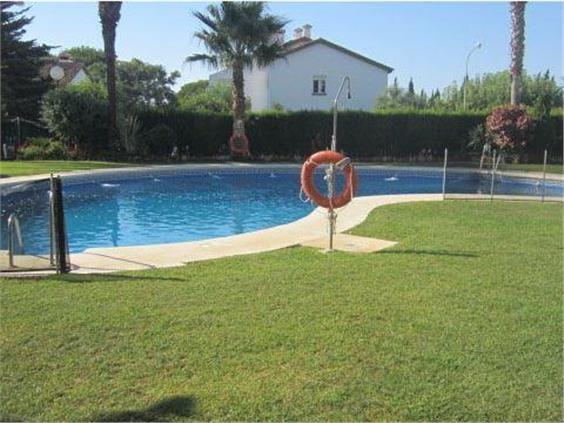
pixel 388 135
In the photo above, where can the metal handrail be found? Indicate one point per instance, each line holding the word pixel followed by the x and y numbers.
pixel 14 229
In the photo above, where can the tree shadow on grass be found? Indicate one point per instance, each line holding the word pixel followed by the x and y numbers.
pixel 430 253
pixel 164 410
pixel 111 277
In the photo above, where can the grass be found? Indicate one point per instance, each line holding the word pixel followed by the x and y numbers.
pixel 550 168
pixel 36 167
pixel 521 167
pixel 462 320
pixel 24 168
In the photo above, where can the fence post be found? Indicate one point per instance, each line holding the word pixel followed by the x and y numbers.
pixel 63 266
pixel 444 172
pixel 544 174
pixel 19 135
pixel 493 175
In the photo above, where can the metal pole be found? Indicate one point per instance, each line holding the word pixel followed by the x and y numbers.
pixel 10 242
pixel 330 174
pixel 51 225
pixel 493 176
pixel 465 83
pixel 445 172
pixel 544 174
pixel 59 220
pixel 477 46
pixel 19 130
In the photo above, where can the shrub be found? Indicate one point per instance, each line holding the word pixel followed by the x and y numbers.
pixel 42 149
pixel 159 140
pixel 510 127
pixel 130 133
pixel 77 118
pixel 478 137
pixel 216 98
pixel 384 135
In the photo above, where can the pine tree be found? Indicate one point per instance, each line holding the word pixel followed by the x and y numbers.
pixel 22 87
pixel 411 87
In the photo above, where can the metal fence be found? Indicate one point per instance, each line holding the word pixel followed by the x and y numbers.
pixel 14 134
pixel 496 174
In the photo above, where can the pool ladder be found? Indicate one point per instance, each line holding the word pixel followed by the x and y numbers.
pixel 14 233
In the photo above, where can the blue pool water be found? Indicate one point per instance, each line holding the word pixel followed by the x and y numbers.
pixel 165 206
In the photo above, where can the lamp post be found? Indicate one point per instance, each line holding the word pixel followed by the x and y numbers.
pixel 476 47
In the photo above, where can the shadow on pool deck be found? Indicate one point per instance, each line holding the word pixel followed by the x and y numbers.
pixel 164 410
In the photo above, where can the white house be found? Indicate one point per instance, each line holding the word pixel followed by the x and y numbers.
pixel 308 76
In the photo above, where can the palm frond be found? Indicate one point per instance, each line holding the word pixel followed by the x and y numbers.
pixel 212 61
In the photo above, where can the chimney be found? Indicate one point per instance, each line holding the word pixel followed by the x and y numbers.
pixel 307 30
pixel 298 33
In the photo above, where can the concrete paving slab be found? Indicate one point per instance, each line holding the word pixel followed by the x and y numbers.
pixel 350 243
pixel 23 262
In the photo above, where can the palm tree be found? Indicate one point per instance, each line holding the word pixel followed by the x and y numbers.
pixel 517 48
pixel 238 35
pixel 109 12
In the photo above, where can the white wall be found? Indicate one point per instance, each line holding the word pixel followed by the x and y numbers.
pixel 79 77
pixel 221 76
pixel 255 85
pixel 290 81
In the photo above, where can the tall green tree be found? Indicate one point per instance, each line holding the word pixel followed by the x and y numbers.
pixel 144 84
pixel 86 55
pixel 138 83
pixel 238 35
pixel 191 88
pixel 517 48
pixel 109 12
pixel 410 87
pixel 22 87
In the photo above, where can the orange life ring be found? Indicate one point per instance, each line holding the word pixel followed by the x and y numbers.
pixel 328 157
pixel 236 148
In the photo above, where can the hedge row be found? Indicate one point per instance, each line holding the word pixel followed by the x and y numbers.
pixel 360 134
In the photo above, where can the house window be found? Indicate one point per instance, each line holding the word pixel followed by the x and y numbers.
pixel 319 85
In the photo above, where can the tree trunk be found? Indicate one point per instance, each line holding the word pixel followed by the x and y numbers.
pixel 517 48
pixel 515 89
pixel 238 93
pixel 109 16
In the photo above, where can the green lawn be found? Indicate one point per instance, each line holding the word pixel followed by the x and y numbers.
pixel 460 321
pixel 550 168
pixel 28 167
pixel 24 167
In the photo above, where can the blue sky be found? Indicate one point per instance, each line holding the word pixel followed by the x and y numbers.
pixel 426 41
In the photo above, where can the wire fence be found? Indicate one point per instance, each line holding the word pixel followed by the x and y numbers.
pixel 499 175
pixel 14 134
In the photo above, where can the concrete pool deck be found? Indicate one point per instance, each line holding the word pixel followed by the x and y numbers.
pixel 309 231
pixel 305 230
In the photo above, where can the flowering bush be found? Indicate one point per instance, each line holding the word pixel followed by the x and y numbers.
pixel 510 127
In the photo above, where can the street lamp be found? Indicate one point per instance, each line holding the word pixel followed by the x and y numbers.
pixel 476 47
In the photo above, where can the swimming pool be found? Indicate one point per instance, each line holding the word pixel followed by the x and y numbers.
pixel 166 205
